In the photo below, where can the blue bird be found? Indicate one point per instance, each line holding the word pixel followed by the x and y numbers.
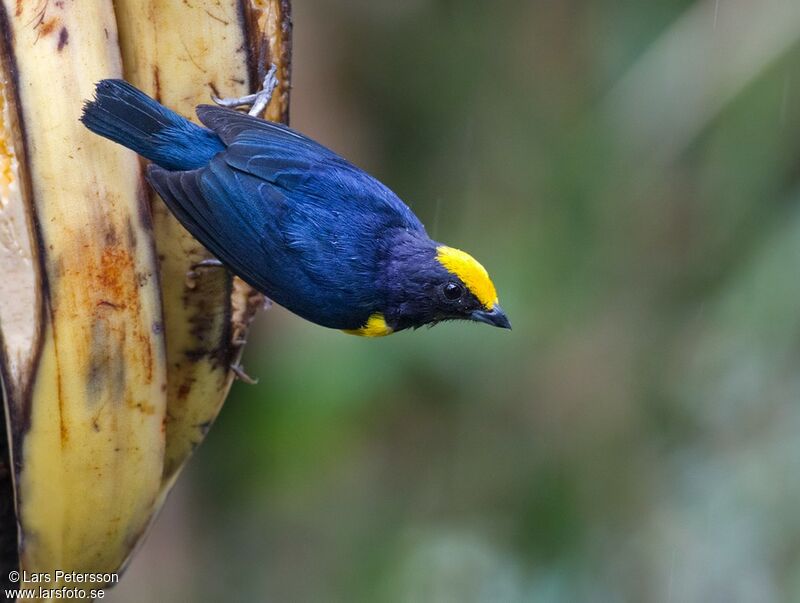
pixel 296 221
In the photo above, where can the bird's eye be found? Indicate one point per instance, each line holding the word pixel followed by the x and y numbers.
pixel 453 291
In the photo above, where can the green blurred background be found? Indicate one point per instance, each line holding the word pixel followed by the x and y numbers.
pixel 629 173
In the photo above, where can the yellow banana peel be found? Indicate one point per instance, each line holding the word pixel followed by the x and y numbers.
pixel 84 376
pixel 181 53
pixel 115 350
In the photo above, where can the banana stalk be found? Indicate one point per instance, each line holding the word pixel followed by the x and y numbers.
pixel 82 354
pixel 181 53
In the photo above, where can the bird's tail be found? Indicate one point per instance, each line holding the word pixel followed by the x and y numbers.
pixel 126 115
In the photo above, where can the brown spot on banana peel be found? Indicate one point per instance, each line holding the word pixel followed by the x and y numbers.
pixel 156 83
pixel 106 368
pixel 209 296
pixel 63 39
pixel 46 27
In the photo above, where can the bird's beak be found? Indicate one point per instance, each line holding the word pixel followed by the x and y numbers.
pixel 495 317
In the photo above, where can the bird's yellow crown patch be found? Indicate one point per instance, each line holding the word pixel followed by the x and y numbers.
pixel 471 273
pixel 376 327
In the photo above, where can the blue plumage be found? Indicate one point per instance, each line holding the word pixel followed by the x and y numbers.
pixel 296 221
pixel 128 116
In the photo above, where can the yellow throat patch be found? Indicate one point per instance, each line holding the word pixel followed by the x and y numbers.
pixel 376 327
pixel 471 273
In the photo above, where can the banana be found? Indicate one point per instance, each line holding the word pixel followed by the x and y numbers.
pixel 82 353
pixel 181 53
pixel 107 391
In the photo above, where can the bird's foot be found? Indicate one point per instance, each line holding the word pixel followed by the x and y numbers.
pixel 191 274
pixel 258 101
pixel 238 371
pixel 207 263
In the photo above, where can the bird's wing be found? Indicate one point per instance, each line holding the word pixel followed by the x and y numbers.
pixel 218 217
pixel 229 124
pixel 302 168
pixel 303 257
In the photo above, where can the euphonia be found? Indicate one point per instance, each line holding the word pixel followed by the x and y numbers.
pixel 311 231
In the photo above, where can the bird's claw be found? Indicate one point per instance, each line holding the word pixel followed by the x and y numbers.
pixel 207 263
pixel 238 371
pixel 192 275
pixel 258 101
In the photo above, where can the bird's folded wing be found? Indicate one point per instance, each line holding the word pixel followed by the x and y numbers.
pixel 213 206
pixel 305 170
pixel 229 125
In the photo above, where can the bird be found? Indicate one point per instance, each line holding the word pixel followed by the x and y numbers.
pixel 299 223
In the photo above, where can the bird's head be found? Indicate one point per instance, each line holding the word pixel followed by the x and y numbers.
pixel 428 284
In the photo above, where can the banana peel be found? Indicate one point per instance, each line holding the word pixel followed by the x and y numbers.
pixel 115 351
pixel 181 53
pixel 84 369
